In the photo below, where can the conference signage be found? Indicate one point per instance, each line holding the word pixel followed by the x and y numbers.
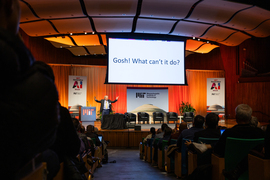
pixel 77 88
pixel 147 97
pixel 88 113
pixel 216 95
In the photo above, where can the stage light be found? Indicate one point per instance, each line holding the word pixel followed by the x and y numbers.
pixel 94 32
pixel 193 37
pixel 71 34
pixel 85 32
pixel 198 39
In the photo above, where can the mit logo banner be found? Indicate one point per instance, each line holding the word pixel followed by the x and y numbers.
pixel 77 90
pixel 137 97
pixel 216 95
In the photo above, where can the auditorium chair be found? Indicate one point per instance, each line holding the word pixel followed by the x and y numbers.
pixel 195 160
pixel 181 160
pixel 149 149
pixel 130 117
pixel 188 117
pixel 236 149
pixel 169 162
pixel 158 116
pixel 142 148
pixel 34 169
pixel 154 144
pixel 161 155
pixel 172 116
pixel 143 116
pixel 258 167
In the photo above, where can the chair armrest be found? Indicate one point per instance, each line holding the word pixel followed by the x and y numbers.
pixel 192 162
pixel 258 168
pixel 218 164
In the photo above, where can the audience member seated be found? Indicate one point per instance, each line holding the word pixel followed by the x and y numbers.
pixel 167 135
pixel 28 104
pixel 189 133
pixel 241 130
pixel 254 122
pixel 90 132
pixel 85 143
pixel 152 135
pixel 67 142
pixel 177 132
pixel 161 134
pixel 211 130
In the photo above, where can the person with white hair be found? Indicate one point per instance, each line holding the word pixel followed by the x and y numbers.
pixel 105 107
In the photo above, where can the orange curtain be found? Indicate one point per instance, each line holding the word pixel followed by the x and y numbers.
pixel 194 93
pixel 197 80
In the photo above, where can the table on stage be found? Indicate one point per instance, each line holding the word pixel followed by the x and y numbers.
pixel 114 121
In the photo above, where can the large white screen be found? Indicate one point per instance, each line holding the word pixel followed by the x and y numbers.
pixel 139 61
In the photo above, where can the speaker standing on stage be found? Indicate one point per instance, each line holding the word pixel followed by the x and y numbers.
pixel 105 107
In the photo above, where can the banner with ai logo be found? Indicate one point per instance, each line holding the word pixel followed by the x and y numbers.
pixel 77 90
pixel 147 98
pixel 216 95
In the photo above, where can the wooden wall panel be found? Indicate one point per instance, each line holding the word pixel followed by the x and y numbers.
pixel 123 139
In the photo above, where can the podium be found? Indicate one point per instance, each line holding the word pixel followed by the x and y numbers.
pixel 88 114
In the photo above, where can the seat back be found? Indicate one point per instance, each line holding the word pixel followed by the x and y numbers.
pixel 164 144
pixel 205 158
pixel 184 156
pixel 237 149
pixel 173 141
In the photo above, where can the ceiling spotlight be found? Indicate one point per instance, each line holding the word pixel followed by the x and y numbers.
pixel 193 37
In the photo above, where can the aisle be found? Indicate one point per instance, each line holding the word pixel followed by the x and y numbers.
pixel 129 166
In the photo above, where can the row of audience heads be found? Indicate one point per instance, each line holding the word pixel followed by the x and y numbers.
pixel 243 116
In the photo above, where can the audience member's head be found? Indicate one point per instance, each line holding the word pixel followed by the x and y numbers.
pixel 163 126
pixel 254 122
pixel 90 129
pixel 198 121
pixel 152 130
pixel 82 129
pixel 46 69
pixel 96 130
pixel 211 120
pixel 182 126
pixel 243 114
pixel 76 124
pixel 167 131
pixel 10 14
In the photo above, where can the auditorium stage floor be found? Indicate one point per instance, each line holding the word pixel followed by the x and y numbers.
pixel 146 127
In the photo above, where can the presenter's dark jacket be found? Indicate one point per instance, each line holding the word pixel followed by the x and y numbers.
pixel 28 106
pixel 102 104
